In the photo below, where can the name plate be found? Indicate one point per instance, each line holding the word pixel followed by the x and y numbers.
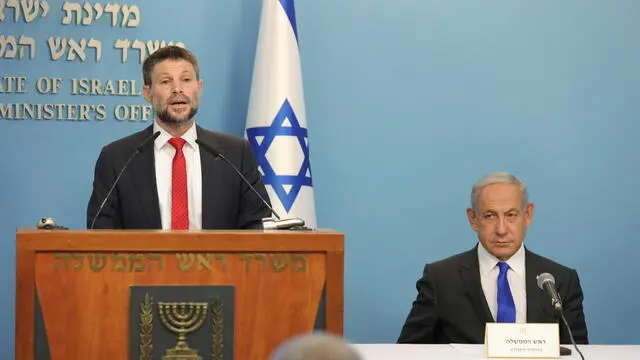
pixel 508 340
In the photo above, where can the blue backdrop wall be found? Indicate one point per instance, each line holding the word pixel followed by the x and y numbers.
pixel 408 103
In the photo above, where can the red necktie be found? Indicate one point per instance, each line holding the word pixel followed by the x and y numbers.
pixel 179 198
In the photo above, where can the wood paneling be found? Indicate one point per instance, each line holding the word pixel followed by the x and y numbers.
pixel 83 280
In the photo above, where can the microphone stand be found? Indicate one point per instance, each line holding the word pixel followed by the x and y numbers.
pixel 573 341
pixel 270 223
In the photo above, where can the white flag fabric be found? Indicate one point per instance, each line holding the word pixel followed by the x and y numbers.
pixel 276 124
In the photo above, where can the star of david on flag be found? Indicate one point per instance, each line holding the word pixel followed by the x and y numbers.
pixel 285 124
pixel 276 124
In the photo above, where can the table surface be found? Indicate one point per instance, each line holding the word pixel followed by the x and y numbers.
pixel 469 352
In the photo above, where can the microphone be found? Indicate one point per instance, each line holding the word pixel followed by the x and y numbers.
pixel 47 223
pixel 138 150
pixel 547 283
pixel 267 223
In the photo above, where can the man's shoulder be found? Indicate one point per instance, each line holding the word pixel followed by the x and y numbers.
pixel 545 263
pixel 220 140
pixel 455 260
pixel 129 142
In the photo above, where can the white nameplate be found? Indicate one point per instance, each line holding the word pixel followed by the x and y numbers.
pixel 509 340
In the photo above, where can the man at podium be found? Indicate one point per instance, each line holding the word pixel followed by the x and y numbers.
pixel 496 280
pixel 169 175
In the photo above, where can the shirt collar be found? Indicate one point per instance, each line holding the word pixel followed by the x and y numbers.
pixel 488 262
pixel 190 136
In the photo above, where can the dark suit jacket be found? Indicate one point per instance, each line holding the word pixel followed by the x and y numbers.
pixel 451 307
pixel 227 202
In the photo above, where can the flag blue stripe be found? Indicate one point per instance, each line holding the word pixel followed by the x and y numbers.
pixel 283 131
pixel 290 10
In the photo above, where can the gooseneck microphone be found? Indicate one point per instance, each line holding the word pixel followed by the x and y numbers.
pixel 267 223
pixel 547 283
pixel 124 167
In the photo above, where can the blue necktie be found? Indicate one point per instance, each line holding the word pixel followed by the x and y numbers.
pixel 506 306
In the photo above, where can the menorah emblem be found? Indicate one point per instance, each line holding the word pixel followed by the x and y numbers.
pixel 182 319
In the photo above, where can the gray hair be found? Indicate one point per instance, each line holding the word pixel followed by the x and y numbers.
pixel 316 346
pixel 498 178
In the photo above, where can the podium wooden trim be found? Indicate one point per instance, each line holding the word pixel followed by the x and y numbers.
pixel 31 242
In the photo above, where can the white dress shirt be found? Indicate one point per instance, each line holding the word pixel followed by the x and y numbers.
pixel 489 271
pixel 164 153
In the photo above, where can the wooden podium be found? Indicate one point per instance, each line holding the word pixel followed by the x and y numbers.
pixel 131 294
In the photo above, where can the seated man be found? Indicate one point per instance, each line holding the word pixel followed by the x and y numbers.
pixel 316 346
pixel 495 281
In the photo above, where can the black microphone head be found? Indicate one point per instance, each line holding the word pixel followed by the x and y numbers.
pixel 544 278
pixel 207 147
pixel 148 140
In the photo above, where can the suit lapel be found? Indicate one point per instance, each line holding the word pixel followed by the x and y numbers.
pixel 470 273
pixel 536 311
pixel 211 181
pixel 144 176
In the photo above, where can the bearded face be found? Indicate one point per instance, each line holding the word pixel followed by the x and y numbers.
pixel 174 92
pixel 177 110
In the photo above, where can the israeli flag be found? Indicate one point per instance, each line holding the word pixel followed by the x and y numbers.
pixel 276 120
